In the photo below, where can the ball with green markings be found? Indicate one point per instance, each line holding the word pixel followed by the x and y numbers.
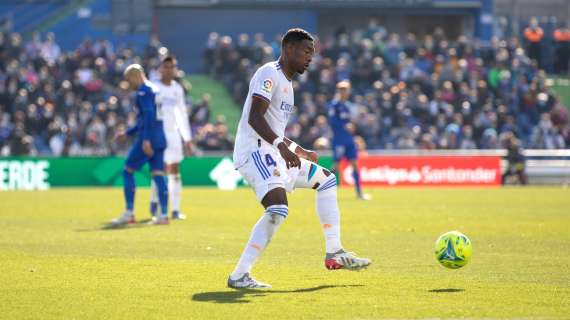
pixel 453 250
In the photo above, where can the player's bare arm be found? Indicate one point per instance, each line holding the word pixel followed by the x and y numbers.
pixel 121 135
pixel 189 148
pixel 300 151
pixel 147 148
pixel 257 121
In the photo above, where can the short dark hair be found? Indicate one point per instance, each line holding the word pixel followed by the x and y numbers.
pixel 170 59
pixel 295 35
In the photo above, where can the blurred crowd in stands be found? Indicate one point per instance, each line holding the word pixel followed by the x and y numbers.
pixel 412 92
pixel 409 92
pixel 72 103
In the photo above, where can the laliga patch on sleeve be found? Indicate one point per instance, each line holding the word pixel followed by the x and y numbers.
pixel 267 86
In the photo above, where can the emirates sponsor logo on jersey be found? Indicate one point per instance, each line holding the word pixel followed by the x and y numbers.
pixel 288 108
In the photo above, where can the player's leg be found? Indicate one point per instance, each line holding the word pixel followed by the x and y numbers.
pixel 351 154
pixel 523 178
pixel 275 204
pixel 318 178
pixel 338 153
pixel 129 187
pixel 356 178
pixel 153 199
pixel 173 155
pixel 324 182
pixel 156 163
pixel 506 175
pixel 175 190
pixel 260 173
pixel 520 171
pixel 135 159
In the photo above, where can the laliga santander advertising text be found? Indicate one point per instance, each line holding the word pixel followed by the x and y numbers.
pixel 425 171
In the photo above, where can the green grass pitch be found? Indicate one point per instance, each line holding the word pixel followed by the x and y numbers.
pixel 57 262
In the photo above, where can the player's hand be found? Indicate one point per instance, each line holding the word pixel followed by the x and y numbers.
pixel 291 159
pixel 189 146
pixel 121 136
pixel 147 148
pixel 307 154
pixel 350 128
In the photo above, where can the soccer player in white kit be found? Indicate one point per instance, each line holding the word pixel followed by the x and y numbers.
pixel 274 165
pixel 176 130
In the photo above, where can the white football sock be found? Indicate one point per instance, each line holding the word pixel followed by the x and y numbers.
pixel 329 215
pixel 174 190
pixel 260 237
pixel 153 192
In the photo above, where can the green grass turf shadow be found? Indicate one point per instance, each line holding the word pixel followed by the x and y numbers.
pixel 240 296
pixel 446 290
pixel 110 227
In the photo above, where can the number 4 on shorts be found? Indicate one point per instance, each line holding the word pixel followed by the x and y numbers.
pixel 269 160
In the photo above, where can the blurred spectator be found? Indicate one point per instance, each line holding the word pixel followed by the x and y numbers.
pixel 562 44
pixel 215 137
pixel 546 135
pixel 200 115
pixel 516 160
pixel 534 34
pixel 50 50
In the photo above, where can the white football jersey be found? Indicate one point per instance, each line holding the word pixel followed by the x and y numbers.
pixel 170 101
pixel 268 83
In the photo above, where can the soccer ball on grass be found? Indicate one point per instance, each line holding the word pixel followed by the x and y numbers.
pixel 453 249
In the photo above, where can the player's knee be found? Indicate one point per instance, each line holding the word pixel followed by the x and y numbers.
pixel 128 179
pixel 173 168
pixel 322 179
pixel 128 170
pixel 277 213
pixel 353 164
pixel 127 173
pixel 331 174
pixel 328 185
pixel 160 182
pixel 155 173
pixel 275 196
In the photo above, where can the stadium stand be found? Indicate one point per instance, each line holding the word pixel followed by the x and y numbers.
pixel 26 16
pixel 54 102
pixel 64 96
pixel 410 93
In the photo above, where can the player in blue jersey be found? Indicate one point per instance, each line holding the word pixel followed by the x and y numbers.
pixel 343 144
pixel 148 147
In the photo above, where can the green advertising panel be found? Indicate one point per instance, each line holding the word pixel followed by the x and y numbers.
pixel 26 173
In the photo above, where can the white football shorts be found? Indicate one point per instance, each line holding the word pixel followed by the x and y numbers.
pixel 266 170
pixel 174 152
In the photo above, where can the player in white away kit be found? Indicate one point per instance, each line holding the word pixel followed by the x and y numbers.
pixel 273 164
pixel 176 130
